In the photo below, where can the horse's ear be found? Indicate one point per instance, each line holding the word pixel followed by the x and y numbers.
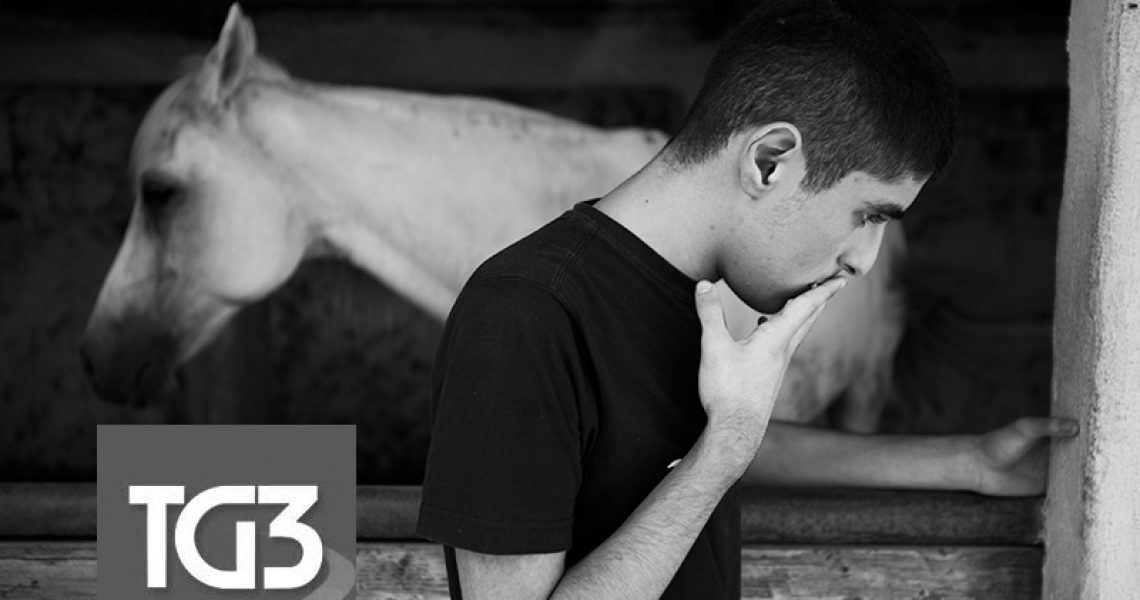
pixel 226 64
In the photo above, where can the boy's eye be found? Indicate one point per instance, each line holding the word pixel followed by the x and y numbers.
pixel 875 219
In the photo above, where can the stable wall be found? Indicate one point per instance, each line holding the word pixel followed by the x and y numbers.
pixel 334 346
pixel 1093 512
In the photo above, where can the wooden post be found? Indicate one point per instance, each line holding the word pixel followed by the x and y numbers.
pixel 1092 540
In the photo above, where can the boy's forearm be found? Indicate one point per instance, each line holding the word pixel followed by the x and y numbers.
pixel 641 557
pixel 798 455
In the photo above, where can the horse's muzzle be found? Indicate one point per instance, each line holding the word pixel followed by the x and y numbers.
pixel 134 371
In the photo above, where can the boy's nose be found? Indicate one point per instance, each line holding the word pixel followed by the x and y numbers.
pixel 861 257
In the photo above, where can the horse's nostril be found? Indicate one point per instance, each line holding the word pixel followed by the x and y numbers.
pixel 85 361
pixel 141 376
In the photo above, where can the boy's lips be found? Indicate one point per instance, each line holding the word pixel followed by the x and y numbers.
pixel 825 280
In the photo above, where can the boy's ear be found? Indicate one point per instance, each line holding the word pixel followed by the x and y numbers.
pixel 770 157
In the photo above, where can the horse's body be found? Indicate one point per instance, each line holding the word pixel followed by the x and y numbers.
pixel 242 172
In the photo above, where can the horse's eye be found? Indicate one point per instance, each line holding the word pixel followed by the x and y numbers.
pixel 156 195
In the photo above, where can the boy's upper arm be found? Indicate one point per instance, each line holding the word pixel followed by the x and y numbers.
pixel 503 466
pixel 508 577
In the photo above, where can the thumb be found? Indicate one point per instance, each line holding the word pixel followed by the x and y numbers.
pixel 709 310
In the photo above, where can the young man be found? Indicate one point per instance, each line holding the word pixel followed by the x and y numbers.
pixel 577 365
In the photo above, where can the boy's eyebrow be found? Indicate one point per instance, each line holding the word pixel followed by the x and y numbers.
pixel 888 209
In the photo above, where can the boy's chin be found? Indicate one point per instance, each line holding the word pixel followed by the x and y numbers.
pixel 771 304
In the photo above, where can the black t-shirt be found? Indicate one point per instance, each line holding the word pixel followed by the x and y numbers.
pixel 564 386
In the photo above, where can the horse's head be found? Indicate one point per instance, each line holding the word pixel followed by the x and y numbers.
pixel 210 231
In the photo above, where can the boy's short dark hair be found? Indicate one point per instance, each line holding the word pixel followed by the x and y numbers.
pixel 859 78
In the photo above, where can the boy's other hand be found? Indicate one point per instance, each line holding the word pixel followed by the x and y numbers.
pixel 1014 460
pixel 738 381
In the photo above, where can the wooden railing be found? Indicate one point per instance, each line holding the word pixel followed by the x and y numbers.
pixel 796 544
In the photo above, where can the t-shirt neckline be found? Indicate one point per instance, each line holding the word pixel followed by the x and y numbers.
pixel 673 279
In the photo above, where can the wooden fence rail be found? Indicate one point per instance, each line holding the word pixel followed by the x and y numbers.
pixel 409 570
pixel 769 516
pixel 797 544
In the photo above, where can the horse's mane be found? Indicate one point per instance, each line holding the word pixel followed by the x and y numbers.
pixel 464 111
pixel 181 103
pixel 181 100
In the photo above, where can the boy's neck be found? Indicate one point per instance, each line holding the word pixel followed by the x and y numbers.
pixel 678 212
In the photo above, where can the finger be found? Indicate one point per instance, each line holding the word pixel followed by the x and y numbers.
pixel 801 333
pixel 710 311
pixel 1038 427
pixel 1062 427
pixel 800 309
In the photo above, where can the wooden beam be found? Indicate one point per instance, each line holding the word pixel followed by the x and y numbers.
pixel 67 510
pixel 891 573
pixel 47 510
pixel 887 517
pixel 399 571
pixel 1093 511
pixel 37 570
pixel 461 49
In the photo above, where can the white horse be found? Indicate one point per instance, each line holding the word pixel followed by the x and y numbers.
pixel 240 172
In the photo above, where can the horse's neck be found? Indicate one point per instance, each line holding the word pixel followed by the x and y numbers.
pixel 417 190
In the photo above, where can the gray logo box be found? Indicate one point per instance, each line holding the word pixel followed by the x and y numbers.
pixel 200 457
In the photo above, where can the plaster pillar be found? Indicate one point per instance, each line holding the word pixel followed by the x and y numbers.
pixel 1092 511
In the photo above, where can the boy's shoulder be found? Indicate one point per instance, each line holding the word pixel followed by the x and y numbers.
pixel 541 257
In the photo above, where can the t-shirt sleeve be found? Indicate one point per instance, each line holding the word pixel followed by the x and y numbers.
pixel 503 466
